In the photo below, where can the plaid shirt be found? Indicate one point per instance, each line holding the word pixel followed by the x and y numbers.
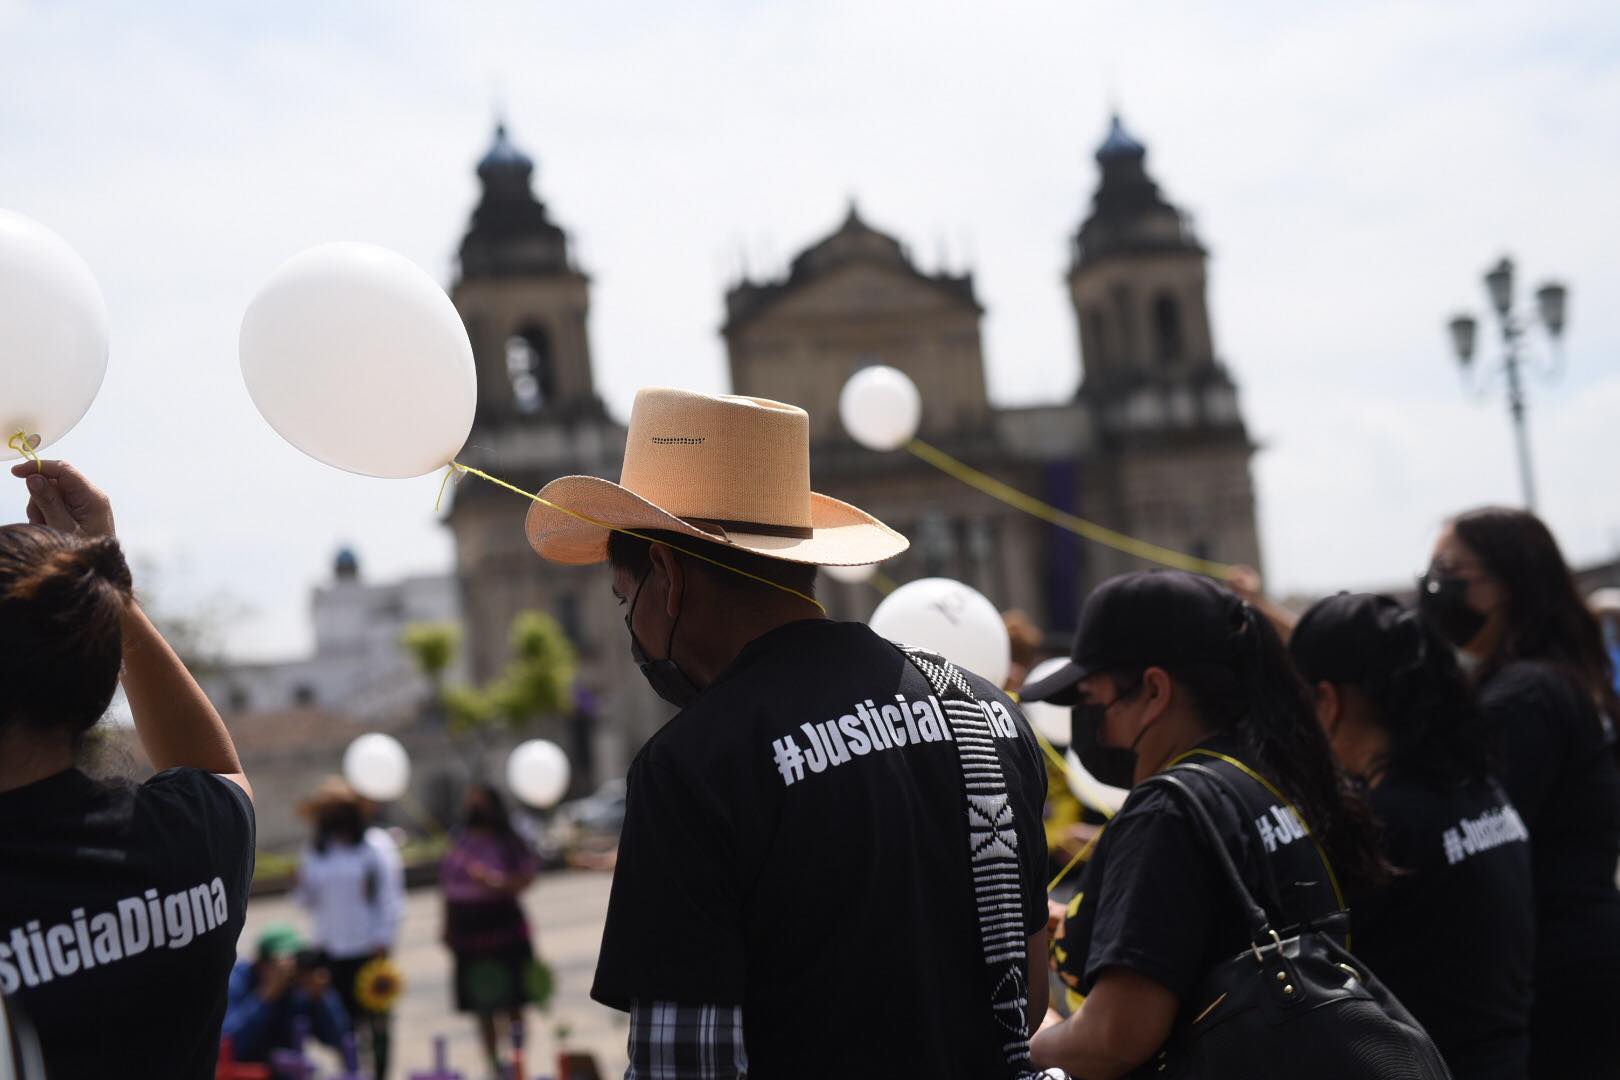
pixel 686 1042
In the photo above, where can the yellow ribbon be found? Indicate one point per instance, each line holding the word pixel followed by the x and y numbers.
pixel 24 444
pixel 1079 857
pixel 456 468
pixel 1089 530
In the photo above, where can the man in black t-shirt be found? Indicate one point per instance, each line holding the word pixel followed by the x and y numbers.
pixel 799 891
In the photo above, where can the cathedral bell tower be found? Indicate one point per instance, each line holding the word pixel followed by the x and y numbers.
pixel 523 299
pixel 1171 445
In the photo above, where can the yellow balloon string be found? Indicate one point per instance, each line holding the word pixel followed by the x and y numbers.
pixel 1090 530
pixel 24 444
pixel 457 468
pixel 1079 857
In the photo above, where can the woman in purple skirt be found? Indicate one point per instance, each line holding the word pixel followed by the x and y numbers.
pixel 487 868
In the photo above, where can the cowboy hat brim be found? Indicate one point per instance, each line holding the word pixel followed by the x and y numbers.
pixel 574 529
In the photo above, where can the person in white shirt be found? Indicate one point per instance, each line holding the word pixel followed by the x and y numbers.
pixel 351 882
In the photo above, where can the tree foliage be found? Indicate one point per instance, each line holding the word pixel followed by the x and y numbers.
pixel 538 679
pixel 432 646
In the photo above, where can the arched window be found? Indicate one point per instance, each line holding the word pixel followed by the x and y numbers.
pixel 1166 328
pixel 529 366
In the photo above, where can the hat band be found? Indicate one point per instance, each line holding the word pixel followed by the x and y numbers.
pixel 756 527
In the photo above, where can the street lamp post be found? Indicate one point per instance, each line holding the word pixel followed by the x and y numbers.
pixel 1550 301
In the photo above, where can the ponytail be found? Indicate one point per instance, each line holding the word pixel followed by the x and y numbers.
pixel 1261 699
pixel 1423 700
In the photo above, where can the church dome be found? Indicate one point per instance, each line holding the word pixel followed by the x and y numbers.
pixel 503 154
pixel 511 233
pixel 1119 143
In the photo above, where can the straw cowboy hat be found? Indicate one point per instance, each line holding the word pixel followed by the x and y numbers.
pixel 731 470
pixel 330 792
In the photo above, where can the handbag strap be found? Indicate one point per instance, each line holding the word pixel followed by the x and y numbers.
pixel 1331 914
pixel 993 848
pixel 1260 931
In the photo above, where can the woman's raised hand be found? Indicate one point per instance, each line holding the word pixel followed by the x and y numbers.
pixel 61 497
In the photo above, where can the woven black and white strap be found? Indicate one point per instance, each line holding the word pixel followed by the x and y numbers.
pixel 993 841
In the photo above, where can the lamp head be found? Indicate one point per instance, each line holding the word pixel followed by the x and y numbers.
pixel 1499 281
pixel 1550 299
pixel 1463 329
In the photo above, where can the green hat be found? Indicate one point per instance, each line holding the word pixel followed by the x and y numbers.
pixel 278 939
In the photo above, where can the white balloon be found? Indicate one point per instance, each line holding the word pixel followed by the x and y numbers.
pixel 850 575
pixel 537 772
pixel 53 333
pixel 949 618
pixel 880 407
pixel 358 358
pixel 1091 791
pixel 377 767
pixel 1052 721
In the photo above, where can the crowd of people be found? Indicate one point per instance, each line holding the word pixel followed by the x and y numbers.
pixel 1380 839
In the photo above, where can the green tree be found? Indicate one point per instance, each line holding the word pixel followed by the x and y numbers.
pixel 432 646
pixel 538 680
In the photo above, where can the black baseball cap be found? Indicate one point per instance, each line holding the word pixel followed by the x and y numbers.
pixel 1353 637
pixel 1152 618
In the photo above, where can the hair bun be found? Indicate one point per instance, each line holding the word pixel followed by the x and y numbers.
pixel 104 557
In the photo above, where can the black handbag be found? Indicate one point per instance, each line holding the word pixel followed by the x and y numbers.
pixel 1300 1006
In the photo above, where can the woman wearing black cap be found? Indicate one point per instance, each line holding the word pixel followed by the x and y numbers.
pixel 1453 933
pixel 1169 667
pixel 1499 590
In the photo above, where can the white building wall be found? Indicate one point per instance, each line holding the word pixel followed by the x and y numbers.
pixel 360 668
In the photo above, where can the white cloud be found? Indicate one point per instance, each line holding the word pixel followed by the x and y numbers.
pixel 1353 170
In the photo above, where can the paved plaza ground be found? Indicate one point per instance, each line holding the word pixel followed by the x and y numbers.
pixel 565 909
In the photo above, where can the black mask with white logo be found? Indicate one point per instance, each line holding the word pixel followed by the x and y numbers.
pixel 1444 603
pixel 664 676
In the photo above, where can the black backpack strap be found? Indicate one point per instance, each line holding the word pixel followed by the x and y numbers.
pixel 993 845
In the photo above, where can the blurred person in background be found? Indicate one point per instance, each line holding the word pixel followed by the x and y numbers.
pixel 1170 667
pixel 120 904
pixel 353 895
pixel 272 992
pixel 1452 934
pixel 485 871
pixel 1499 590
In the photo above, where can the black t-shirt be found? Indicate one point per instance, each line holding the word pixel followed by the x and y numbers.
pixel 1154 900
pixel 796 842
pixel 1453 934
pixel 1558 767
pixel 119 916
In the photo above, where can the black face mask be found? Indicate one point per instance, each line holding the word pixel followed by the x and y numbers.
pixel 1107 764
pixel 1444 603
pixel 664 676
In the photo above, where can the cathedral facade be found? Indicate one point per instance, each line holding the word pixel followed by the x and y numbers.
pixel 1152 444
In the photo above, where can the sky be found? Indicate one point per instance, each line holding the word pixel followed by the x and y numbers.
pixel 1353 169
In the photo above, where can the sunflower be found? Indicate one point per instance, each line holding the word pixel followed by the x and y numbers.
pixel 540 983
pixel 378 985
